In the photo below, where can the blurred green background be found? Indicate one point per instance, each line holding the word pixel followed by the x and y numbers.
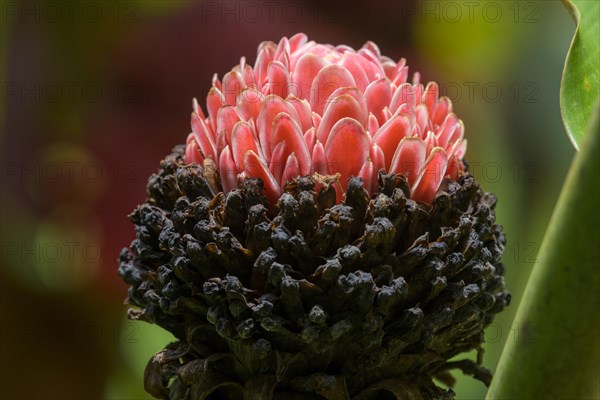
pixel 94 93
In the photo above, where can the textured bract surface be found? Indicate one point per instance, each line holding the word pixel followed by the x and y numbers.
pixel 312 298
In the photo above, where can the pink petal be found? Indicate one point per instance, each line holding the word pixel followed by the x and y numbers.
pixel 416 80
pixel 242 140
pixel 405 94
pixel 190 138
pixel 378 95
pixel 297 41
pixel 267 43
pixel 310 138
pixel 457 136
pixel 319 160
pixel 417 132
pixel 386 114
pixel 431 141
pixel 322 50
pixel 285 129
pixel 256 168
pixel 277 80
pixel 196 107
pixel 454 168
pixel 430 96
pixel 401 76
pixel 378 159
pixel 422 118
pixel 446 130
pixel 347 149
pixel 303 109
pixel 227 117
pixel 329 78
pixel 409 158
pixel 442 109
pixel 278 159
pixel 369 45
pixel 216 82
pixel 431 176
pixel 343 48
pixel 390 134
pixel 366 173
pixel 249 102
pixel 291 170
pixel 203 136
pixel 400 73
pixel 418 89
pixel 264 58
pixel 192 152
pixel 357 94
pixel 282 50
pixel 459 148
pixel 340 107
pixel 373 124
pixel 227 170
pixel 246 72
pixel 271 106
pixel 316 120
pixel 302 50
pixel 356 65
pixel 214 101
pixel 240 67
pixel 373 63
pixel 233 83
pixel 389 67
pixel 306 69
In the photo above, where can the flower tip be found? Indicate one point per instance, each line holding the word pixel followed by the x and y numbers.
pixel 306 107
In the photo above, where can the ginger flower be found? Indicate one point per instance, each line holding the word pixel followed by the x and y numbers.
pixel 342 251
pixel 308 108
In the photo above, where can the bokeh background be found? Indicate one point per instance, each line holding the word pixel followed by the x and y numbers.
pixel 94 93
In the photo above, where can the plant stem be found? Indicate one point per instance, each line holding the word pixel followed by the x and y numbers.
pixel 556 354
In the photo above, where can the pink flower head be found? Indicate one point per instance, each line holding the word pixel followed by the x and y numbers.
pixel 308 108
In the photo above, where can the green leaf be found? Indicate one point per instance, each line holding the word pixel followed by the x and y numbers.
pixel 580 85
pixel 556 352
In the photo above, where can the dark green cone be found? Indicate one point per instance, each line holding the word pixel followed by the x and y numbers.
pixel 363 300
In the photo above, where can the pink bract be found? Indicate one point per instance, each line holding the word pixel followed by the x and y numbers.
pixel 308 108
